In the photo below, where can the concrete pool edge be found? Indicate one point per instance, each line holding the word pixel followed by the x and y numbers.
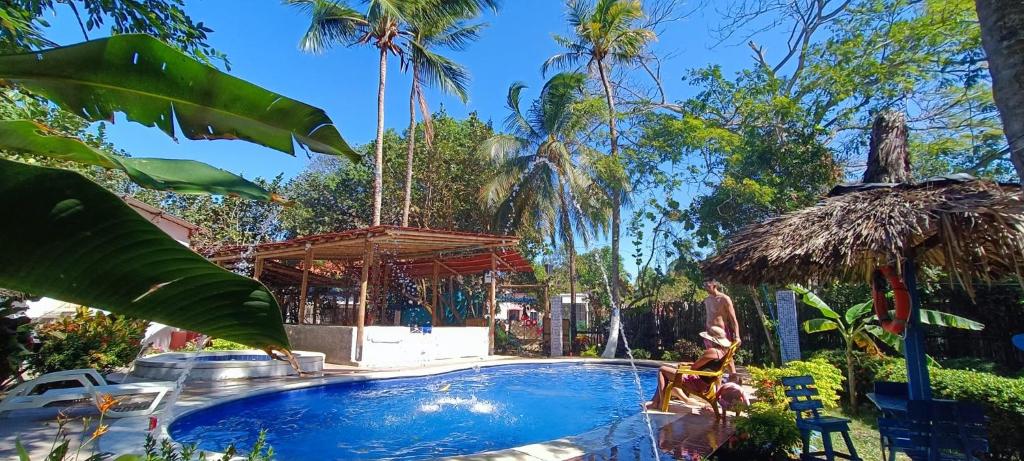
pixel 126 435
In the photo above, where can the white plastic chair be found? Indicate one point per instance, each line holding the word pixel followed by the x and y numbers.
pixel 93 386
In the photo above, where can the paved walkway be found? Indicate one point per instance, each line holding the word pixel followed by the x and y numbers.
pixel 688 430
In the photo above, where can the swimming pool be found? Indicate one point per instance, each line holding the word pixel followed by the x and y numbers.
pixel 449 414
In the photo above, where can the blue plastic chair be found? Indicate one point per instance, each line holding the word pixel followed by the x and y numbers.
pixel 802 392
pixel 937 430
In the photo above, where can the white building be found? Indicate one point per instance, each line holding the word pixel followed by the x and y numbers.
pixel 584 317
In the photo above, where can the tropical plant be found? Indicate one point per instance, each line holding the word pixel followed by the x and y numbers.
pixel 384 25
pixel 15 336
pixel 542 178
pixel 765 432
pixel 606 35
pixel 78 242
pixel 859 333
pixel 87 340
pixel 429 68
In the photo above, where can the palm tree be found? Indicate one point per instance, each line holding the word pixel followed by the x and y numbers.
pixel 382 25
pixel 1002 37
pixel 438 71
pixel 542 177
pixel 606 34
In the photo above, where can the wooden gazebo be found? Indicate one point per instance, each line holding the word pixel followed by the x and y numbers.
pixel 365 265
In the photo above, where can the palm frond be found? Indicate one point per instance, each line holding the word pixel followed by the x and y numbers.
pixel 331 22
pixel 440 72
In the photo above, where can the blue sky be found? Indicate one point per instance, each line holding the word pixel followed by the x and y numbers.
pixel 261 37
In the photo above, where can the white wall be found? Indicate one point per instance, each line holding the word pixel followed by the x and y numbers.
pixel 397 346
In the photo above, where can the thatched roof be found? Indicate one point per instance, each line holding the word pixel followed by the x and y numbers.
pixel 973 229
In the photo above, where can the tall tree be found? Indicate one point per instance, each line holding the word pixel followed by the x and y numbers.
pixel 606 34
pixel 542 180
pixel 429 68
pixel 383 25
pixel 1002 35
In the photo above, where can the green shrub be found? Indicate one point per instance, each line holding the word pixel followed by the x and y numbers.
pixel 671 356
pixel 590 352
pixel 768 381
pixel 225 345
pixel 866 368
pixel 972 363
pixel 15 337
pixel 688 350
pixel 1003 399
pixel 765 432
pixel 641 354
pixel 87 340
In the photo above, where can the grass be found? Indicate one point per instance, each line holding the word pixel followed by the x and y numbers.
pixel 863 431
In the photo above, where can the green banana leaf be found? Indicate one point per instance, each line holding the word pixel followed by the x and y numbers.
pixel 857 311
pixel 947 320
pixel 184 176
pixel 66 237
pixel 895 342
pixel 820 325
pixel 811 299
pixel 157 85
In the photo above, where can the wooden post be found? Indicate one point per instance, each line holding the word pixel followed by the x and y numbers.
pixel 361 307
pixel 304 287
pixel 492 296
pixel 258 270
pixel 435 305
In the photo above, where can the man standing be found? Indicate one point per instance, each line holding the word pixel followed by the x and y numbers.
pixel 720 313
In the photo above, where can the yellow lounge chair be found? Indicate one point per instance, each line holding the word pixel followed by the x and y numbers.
pixel 709 396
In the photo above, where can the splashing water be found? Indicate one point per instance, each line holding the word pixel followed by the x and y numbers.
pixel 636 373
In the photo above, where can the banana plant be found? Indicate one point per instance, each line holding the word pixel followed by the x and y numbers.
pixel 68 238
pixel 859 333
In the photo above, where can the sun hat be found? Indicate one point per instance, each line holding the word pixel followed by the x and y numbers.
pixel 716 335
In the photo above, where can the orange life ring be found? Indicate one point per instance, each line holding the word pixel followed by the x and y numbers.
pixel 886 275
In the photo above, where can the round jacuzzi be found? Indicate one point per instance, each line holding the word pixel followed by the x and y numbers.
pixel 216 365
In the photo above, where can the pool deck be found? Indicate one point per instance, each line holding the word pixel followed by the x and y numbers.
pixel 687 431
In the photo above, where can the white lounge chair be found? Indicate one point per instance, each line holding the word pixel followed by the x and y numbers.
pixel 92 386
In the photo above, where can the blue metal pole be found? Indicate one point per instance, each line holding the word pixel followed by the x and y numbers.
pixel 913 339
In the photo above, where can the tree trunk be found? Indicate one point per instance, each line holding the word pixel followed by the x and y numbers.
pixel 570 246
pixel 378 155
pixel 1002 37
pixel 616 191
pixel 411 141
pixel 889 154
pixel 769 337
pixel 851 377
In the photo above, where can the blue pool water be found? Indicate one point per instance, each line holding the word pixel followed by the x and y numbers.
pixel 419 418
pixel 232 358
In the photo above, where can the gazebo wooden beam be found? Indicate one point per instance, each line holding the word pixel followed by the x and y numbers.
pixel 304 287
pixel 492 296
pixel 435 288
pixel 361 306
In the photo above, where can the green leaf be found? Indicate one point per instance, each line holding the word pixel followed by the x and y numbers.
pixel 943 319
pixel 890 339
pixel 157 85
pixel 22 452
pixel 811 299
pixel 183 176
pixel 68 238
pixel 820 325
pixel 857 311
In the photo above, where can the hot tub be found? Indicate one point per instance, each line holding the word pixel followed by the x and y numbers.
pixel 216 365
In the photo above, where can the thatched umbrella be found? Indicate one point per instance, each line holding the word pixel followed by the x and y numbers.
pixel 971 228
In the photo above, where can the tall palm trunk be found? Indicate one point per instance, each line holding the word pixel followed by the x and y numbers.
pixel 1002 36
pixel 378 159
pixel 570 245
pixel 614 323
pixel 411 140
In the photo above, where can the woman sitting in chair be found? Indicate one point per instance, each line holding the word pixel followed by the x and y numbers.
pixel 710 360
